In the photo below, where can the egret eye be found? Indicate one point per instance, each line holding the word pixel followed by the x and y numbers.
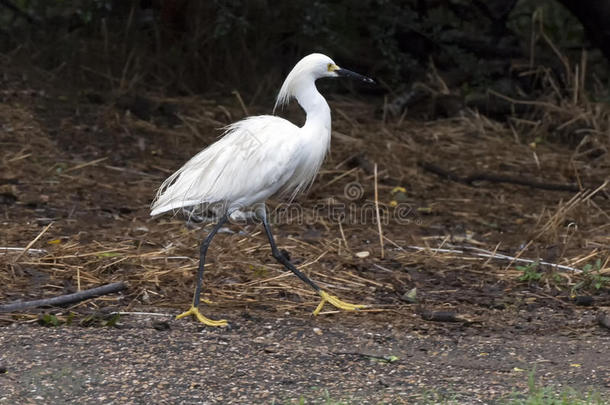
pixel 330 67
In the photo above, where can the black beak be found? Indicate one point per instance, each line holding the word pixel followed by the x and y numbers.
pixel 348 73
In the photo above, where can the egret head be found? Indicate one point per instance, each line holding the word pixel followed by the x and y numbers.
pixel 307 71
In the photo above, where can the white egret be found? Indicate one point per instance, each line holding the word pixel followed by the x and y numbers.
pixel 259 157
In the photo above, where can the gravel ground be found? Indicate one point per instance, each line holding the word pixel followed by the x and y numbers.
pixel 281 360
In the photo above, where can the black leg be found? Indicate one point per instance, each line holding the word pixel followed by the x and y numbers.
pixel 202 251
pixel 282 259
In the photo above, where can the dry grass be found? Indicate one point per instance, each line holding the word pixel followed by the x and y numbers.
pixel 82 212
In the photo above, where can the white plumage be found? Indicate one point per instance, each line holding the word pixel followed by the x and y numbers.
pixel 251 162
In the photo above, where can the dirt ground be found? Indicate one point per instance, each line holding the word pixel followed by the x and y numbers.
pixel 81 167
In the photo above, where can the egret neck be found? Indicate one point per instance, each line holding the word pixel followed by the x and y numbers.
pixel 315 106
pixel 315 133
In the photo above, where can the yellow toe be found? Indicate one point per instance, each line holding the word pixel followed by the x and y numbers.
pixel 331 299
pixel 195 312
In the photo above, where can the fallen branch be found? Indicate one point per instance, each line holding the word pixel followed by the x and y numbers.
pixel 64 299
pixel 497 178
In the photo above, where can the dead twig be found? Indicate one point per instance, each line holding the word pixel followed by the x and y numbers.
pixel 5 249
pixel 496 178
pixel 64 299
pixel 29 245
pixel 241 102
pixel 82 165
pixel 485 254
pixel 377 213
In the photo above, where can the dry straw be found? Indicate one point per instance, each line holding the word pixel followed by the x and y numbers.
pixel 106 236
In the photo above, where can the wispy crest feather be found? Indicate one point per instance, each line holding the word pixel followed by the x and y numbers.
pixel 287 90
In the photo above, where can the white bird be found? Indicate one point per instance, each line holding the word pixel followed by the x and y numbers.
pixel 257 158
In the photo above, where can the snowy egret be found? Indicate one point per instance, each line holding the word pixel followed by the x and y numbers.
pixel 259 157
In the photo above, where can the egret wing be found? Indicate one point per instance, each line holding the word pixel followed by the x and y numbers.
pixel 252 161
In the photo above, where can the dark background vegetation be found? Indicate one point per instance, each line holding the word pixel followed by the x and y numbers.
pixel 199 47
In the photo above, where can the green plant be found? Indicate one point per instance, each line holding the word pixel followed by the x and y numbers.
pixel 49 320
pixel 530 272
pixel 592 278
pixel 52 320
pixel 435 397
pixel 330 401
pixel 101 320
pixel 540 395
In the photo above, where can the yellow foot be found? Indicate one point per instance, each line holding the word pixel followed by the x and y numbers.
pixel 331 299
pixel 195 312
